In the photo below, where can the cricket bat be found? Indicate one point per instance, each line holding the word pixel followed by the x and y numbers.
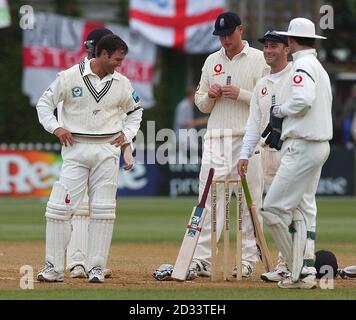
pixel 260 238
pixel 192 233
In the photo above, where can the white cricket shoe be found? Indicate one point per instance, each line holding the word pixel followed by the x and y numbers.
pixel 307 282
pixel 201 268
pixel 96 275
pixel 246 271
pixel 278 274
pixel 78 271
pixel 48 274
pixel 107 273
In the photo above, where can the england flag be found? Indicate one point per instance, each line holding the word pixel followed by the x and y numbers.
pixel 181 24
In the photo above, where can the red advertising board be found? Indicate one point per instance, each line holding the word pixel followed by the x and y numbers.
pixel 28 173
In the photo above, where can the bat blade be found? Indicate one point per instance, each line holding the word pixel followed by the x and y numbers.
pixel 189 243
pixel 260 238
pixel 191 235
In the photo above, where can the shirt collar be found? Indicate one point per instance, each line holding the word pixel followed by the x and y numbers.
pixel 297 55
pixel 286 69
pixel 244 51
pixel 89 71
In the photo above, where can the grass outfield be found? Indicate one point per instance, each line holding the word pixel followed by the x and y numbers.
pixel 162 221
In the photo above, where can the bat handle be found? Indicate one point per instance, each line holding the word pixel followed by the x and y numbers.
pixel 206 189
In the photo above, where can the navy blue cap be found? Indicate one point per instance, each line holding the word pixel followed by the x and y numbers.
pixel 226 23
pixel 95 35
pixel 274 36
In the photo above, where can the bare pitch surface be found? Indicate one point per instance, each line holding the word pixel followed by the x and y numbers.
pixel 135 254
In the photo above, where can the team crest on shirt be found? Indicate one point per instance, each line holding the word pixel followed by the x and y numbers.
pixel 264 91
pixel 77 92
pixel 135 96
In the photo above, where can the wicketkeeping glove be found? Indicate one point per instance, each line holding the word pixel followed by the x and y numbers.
pixel 273 131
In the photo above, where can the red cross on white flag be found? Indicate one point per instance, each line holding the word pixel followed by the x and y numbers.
pixel 183 24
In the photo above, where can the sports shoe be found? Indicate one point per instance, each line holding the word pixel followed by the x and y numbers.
pixel 107 273
pixel 48 274
pixel 96 275
pixel 307 282
pixel 201 268
pixel 246 271
pixel 78 271
pixel 347 273
pixel 278 274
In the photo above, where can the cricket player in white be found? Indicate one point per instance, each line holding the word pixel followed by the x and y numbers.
pixel 306 131
pixel 78 245
pixel 275 50
pixel 228 78
pixel 95 97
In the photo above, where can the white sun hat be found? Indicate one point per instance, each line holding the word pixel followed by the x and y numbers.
pixel 301 27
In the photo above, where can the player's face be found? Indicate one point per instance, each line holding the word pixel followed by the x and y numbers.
pixel 233 41
pixel 114 61
pixel 275 53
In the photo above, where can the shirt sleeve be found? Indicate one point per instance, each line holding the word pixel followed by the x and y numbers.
pixel 47 104
pixel 252 134
pixel 202 100
pixel 132 100
pixel 132 123
pixel 303 92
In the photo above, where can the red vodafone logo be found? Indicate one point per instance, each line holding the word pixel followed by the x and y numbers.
pixel 264 91
pixel 297 79
pixel 218 68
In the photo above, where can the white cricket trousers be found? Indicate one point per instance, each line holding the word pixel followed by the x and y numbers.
pixel 222 154
pixel 87 167
pixel 295 184
pixel 271 162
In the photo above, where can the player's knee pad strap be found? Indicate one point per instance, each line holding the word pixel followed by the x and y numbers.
pixel 280 234
pixel 103 202
pixel 82 210
pixel 58 205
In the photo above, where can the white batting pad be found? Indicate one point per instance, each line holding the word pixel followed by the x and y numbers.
pixel 280 234
pixel 57 238
pixel 299 242
pixel 58 205
pixel 103 201
pixel 77 249
pixel 100 234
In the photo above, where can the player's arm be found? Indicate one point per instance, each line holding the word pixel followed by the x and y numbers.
pixel 252 135
pixel 131 125
pixel 302 95
pixel 206 94
pixel 127 150
pixel 47 104
pixel 45 111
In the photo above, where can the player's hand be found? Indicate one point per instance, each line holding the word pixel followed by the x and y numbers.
pixel 214 91
pixel 118 142
pixel 64 136
pixel 242 167
pixel 230 92
pixel 128 157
